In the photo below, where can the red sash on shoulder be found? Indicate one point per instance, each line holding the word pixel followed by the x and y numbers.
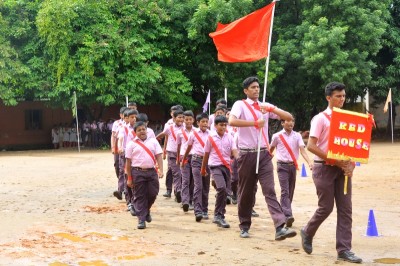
pixel 184 134
pixel 198 138
pixel 148 152
pixel 255 119
pixel 289 150
pixel 327 116
pixel 227 165
pixel 172 132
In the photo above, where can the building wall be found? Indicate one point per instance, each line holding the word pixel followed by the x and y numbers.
pixel 14 133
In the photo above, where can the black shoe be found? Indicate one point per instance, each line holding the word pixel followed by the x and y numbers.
pixel 228 200
pixel 284 233
pixel 185 207
pixel 178 197
pixel 349 257
pixel 234 200
pixel 167 194
pixel 306 242
pixel 149 218
pixel 199 216
pixel 205 216
pixel 221 222
pixel 132 210
pixel 289 221
pixel 244 233
pixel 254 214
pixel 141 225
pixel 118 195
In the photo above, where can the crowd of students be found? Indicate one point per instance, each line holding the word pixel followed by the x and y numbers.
pixel 224 150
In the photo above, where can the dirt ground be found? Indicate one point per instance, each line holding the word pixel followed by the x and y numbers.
pixel 57 208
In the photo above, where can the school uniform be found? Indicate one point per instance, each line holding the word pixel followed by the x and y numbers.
pixel 144 175
pixel 220 168
pixel 115 128
pixel 168 176
pixel 329 182
pixel 248 145
pixel 171 131
pixel 67 131
pixel 127 133
pixel 186 171
pixel 201 183
pixel 286 165
pixel 234 168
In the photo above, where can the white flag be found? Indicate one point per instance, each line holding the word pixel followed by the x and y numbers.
pixel 389 99
pixel 205 106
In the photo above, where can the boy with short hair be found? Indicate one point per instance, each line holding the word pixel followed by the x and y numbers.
pixel 126 133
pixel 143 156
pixel 219 148
pixel 171 132
pixel 186 169
pixel 195 147
pixel 288 143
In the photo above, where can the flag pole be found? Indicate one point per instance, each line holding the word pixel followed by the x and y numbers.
pixel 265 83
pixel 226 96
pixel 391 117
pixel 77 126
pixel 126 98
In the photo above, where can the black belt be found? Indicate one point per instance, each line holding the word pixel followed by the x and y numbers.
pixel 142 169
pixel 288 163
pixel 319 161
pixel 252 150
pixel 215 166
pixel 195 156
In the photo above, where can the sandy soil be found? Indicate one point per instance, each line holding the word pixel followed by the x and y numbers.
pixel 57 208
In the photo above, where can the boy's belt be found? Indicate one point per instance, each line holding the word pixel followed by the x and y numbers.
pixel 252 150
pixel 143 169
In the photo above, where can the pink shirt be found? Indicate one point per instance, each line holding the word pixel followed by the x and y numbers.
pixel 183 139
pixel 294 141
pixel 225 145
pixel 126 133
pixel 320 129
pixel 139 157
pixel 211 120
pixel 248 136
pixel 150 133
pixel 117 124
pixel 197 148
pixel 172 141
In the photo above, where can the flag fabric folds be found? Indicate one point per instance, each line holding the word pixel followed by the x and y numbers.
pixel 388 100
pixel 246 39
pixel 205 106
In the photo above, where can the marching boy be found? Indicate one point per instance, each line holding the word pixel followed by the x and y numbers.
pixel 144 168
pixel 219 148
pixel 196 143
pixel 186 170
pixel 288 143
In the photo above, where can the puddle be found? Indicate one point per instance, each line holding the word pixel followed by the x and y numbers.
pixel 70 237
pixel 387 260
pixel 100 235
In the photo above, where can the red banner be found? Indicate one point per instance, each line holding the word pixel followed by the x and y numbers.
pixel 350 136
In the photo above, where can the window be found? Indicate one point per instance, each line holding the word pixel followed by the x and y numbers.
pixel 33 119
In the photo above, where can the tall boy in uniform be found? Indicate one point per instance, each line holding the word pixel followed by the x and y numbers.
pixel 196 143
pixel 328 176
pixel 186 171
pixel 288 143
pixel 171 132
pixel 114 146
pixel 250 119
pixel 218 150
pixel 125 135
pixel 144 168
pixel 168 178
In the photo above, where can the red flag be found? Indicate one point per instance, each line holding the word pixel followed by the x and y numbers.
pixel 245 39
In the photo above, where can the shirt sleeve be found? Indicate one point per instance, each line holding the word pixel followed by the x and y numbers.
pixel 300 140
pixel 233 145
pixel 157 146
pixel 316 126
pixel 236 109
pixel 207 145
pixel 129 150
pixel 274 141
pixel 121 133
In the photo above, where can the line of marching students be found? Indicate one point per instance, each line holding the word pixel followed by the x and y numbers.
pixel 197 156
pixel 231 148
